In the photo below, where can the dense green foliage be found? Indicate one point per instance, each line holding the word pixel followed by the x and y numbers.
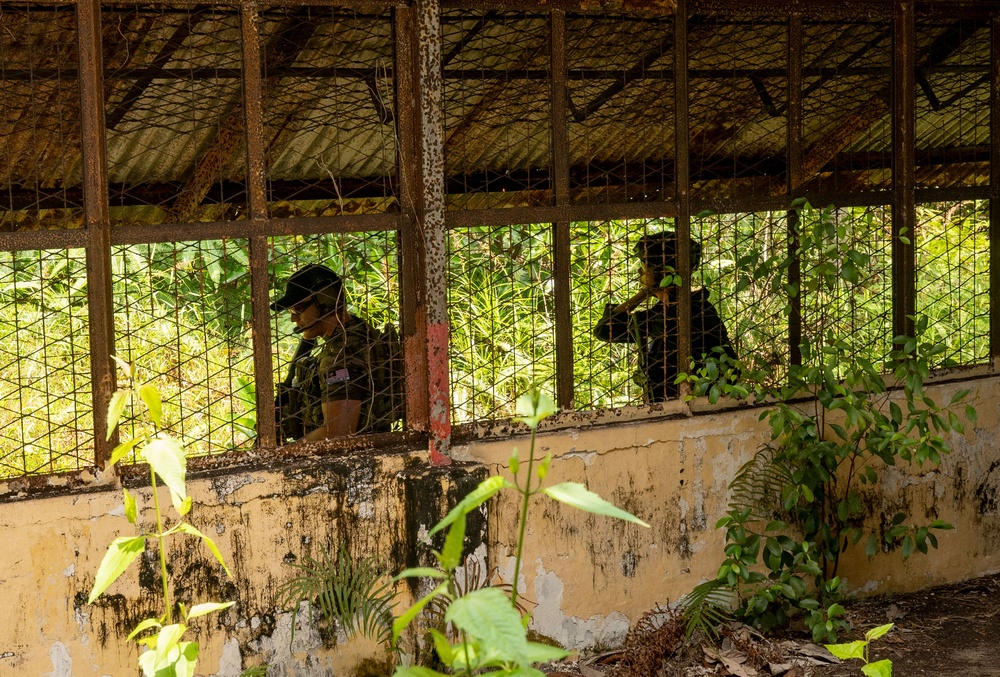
pixel 188 303
pixel 836 424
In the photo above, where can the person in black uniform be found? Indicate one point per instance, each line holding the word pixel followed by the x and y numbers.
pixel 654 330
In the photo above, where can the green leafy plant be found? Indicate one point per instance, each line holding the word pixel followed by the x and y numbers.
pixel 837 420
pixel 492 632
pixel 167 655
pixel 859 649
pixel 358 596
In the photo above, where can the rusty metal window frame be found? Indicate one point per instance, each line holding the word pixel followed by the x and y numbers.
pixel 421 222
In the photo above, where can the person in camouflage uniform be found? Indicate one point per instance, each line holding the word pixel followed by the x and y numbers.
pixel 654 330
pixel 329 389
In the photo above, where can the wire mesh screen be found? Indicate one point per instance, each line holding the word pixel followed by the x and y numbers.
pixel 738 95
pixel 46 419
pixel 621 108
pixel 953 291
pixel 846 105
pixel 605 272
pixel 367 264
pixel 502 314
pixel 182 316
pixel 329 106
pixel 39 119
pixel 953 103
pixel 174 116
pixel 744 270
pixel 846 285
pixel 496 109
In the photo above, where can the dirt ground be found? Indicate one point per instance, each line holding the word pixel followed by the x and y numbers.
pixel 951 630
pixel 944 631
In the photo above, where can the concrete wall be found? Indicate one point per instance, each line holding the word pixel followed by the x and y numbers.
pixel 588 576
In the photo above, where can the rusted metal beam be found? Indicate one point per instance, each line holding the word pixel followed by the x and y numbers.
pixel 141 73
pixel 218 230
pixel 682 185
pixel 904 289
pixel 793 175
pixel 253 127
pixel 430 87
pixel 24 240
pixel 138 88
pixel 283 49
pixel 95 182
pixel 622 80
pixel 412 264
pixel 995 188
pixel 561 246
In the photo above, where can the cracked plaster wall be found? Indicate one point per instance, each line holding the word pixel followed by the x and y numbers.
pixel 262 520
pixel 589 576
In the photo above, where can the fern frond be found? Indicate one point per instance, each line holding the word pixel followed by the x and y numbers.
pixel 358 596
pixel 707 607
pixel 757 486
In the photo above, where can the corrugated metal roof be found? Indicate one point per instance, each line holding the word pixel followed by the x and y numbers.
pixel 173 84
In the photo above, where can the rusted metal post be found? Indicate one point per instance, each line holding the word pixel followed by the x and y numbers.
pixel 259 278
pixel 430 88
pixel 95 191
pixel 560 229
pixel 903 171
pixel 411 254
pixel 682 185
pixel 793 119
pixel 995 187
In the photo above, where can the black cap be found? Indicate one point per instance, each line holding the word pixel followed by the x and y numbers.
pixel 307 282
pixel 659 251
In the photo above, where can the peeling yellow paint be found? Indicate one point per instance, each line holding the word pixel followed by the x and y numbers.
pixel 585 576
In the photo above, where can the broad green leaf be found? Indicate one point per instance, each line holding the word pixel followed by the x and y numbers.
pixel 207 608
pixel 403 621
pixel 131 510
pixel 848 650
pixel 183 507
pixel 128 368
pixel 472 500
pixel 532 407
pixel 124 448
pixel 875 633
pixel 543 653
pixel 209 543
pixel 451 553
pixel 167 639
pixel 115 410
pixel 488 615
pixel 443 647
pixel 421 572
pixel 882 668
pixel 145 625
pixel 166 457
pixel 578 496
pixel 185 665
pixel 151 396
pixel 120 554
pixel 147 663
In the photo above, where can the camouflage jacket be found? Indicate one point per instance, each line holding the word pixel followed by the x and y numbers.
pixel 337 368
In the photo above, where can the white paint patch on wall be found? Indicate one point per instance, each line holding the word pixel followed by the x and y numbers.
pixel 231 661
pixel 570 631
pixel 62 663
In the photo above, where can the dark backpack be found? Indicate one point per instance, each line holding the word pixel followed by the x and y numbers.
pixel 387 378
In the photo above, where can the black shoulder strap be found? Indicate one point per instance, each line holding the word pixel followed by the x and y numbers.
pixel 305 346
